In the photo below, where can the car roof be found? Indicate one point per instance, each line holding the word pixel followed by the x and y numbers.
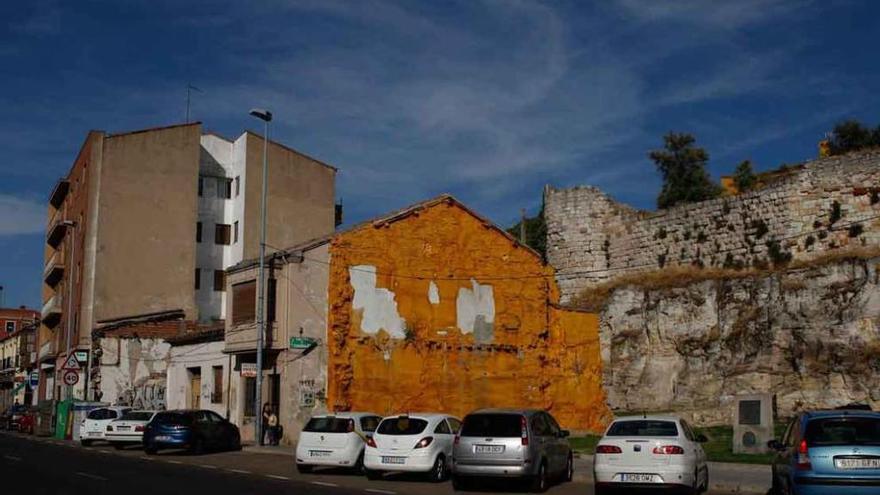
pixel 509 410
pixel 649 417
pixel 838 413
pixel 346 414
pixel 420 415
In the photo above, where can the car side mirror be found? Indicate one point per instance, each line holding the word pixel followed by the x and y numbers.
pixel 775 445
pixel 702 438
pixel 564 433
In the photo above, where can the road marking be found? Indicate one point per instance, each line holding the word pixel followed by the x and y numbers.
pixel 147 458
pixel 239 471
pixel 173 462
pixel 323 483
pixel 207 466
pixel 91 476
pixel 12 457
pixel 376 490
pixel 275 477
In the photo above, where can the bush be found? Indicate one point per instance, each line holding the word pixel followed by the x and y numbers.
pixel 836 213
pixel 855 230
pixel 777 255
pixel 760 227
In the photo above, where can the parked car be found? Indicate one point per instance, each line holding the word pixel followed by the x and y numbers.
pixel 651 452
pixel 129 429
pixel 195 430
pixel 10 418
pixel 512 443
pixel 826 452
pixel 335 440
pixel 416 442
pixel 94 425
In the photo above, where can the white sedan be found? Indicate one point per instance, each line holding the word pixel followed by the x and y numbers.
pixel 335 440
pixel 650 452
pixel 415 442
pixel 94 426
pixel 129 429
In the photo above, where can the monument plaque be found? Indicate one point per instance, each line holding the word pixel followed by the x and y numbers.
pixel 753 423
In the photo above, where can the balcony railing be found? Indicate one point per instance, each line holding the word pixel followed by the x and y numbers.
pixel 56 232
pixel 51 312
pixel 54 269
pixel 56 199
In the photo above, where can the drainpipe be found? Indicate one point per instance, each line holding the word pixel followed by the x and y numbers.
pixel 69 331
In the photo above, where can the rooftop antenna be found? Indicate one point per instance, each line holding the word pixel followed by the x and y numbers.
pixel 189 89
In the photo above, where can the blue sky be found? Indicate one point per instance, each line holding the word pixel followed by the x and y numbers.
pixel 486 99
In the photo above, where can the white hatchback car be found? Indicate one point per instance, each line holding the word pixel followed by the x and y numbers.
pixel 335 440
pixel 415 442
pixel 129 429
pixel 94 425
pixel 650 452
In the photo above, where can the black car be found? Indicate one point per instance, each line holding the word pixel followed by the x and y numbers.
pixel 195 430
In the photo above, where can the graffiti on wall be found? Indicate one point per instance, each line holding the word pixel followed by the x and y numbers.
pixel 149 395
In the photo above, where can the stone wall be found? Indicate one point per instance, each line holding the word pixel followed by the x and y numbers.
pixel 810 336
pixel 591 238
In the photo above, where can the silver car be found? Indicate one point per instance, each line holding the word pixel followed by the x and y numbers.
pixel 511 443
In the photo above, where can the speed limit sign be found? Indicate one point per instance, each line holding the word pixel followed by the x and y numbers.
pixel 70 378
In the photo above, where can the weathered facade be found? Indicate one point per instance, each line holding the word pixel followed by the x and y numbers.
pixel 17 355
pixel 198 372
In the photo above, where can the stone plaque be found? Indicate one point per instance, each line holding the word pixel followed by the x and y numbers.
pixel 750 412
pixel 752 423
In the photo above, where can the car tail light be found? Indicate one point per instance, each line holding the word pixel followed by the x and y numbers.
pixel 350 426
pixel 139 428
pixel 371 442
pixel 608 449
pixel 669 450
pixel 525 430
pixel 803 457
pixel 424 442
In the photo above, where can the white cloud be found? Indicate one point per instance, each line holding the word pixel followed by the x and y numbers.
pixel 21 216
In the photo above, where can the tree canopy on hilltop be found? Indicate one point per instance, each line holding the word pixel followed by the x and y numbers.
pixel 683 167
pixel 852 135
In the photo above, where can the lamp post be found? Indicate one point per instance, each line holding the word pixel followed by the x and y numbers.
pixel 68 334
pixel 266 117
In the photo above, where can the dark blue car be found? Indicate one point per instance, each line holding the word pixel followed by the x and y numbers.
pixel 194 430
pixel 829 453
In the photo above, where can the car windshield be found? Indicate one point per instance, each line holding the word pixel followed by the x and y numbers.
pixel 643 428
pixel 137 416
pixel 329 424
pixel 826 432
pixel 401 426
pixel 492 425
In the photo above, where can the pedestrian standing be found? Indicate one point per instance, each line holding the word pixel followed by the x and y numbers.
pixel 273 428
pixel 267 411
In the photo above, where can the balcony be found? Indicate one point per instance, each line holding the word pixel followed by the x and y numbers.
pixel 51 312
pixel 56 232
pixel 54 269
pixel 56 199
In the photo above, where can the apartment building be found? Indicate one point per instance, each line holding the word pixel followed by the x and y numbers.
pixel 17 327
pixel 146 222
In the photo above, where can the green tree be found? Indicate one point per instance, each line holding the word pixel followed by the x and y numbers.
pixel 744 178
pixel 852 135
pixel 683 167
pixel 536 232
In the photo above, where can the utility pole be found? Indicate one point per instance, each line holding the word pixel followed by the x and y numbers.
pixel 266 117
pixel 189 88
pixel 522 225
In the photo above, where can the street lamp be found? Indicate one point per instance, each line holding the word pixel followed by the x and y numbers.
pixel 266 117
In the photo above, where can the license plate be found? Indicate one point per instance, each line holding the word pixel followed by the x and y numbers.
pixel 393 460
pixel 865 463
pixel 488 449
pixel 637 478
pixel 93 434
pixel 123 428
pixel 319 453
pixel 162 438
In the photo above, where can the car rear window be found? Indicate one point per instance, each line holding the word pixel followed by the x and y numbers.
pixel 329 425
pixel 843 431
pixel 173 419
pixel 643 428
pixel 137 416
pixel 492 425
pixel 401 426
pixel 97 414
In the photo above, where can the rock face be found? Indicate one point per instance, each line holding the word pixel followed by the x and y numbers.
pixel 809 335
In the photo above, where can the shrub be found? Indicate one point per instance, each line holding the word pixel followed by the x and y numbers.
pixel 777 255
pixel 809 241
pixel 702 237
pixel 760 227
pixel 855 230
pixel 836 213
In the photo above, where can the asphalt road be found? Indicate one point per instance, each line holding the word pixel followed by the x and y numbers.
pixel 46 466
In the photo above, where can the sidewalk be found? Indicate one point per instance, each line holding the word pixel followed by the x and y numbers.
pixel 723 476
pixel 289 451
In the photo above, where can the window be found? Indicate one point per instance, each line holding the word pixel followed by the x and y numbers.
pixel 198 283
pixel 539 426
pixel 843 430
pixel 219 280
pixel 10 326
pixel 198 231
pixel 552 424
pixel 402 425
pixel 244 302
pixel 201 186
pixel 270 299
pixel 217 394
pixel 329 424
pixel 99 414
pixel 643 428
pixel 237 186
pixel 221 233
pixel 235 232
pixel 442 428
pixel 492 425
pixel 369 423
pixel 454 424
pixel 224 188
pixel 250 396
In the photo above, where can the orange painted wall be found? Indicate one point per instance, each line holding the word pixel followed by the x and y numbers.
pixel 539 356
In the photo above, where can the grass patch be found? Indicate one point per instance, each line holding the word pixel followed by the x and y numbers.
pixel 585 444
pixel 719 448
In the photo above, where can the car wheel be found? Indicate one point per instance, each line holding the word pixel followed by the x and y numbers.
pixel 85 443
pixel 705 480
pixel 303 468
pixel 569 470
pixel 235 444
pixel 373 474
pixel 539 482
pixel 151 450
pixel 438 472
pixel 460 484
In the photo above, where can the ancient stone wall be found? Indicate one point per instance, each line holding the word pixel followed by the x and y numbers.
pixel 591 238
pixel 809 335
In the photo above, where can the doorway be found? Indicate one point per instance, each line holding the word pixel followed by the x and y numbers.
pixel 195 387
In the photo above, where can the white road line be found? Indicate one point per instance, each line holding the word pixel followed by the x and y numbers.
pixel 91 476
pixel 147 458
pixel 173 462
pixel 12 457
pixel 376 490
pixel 322 483
pixel 239 471
pixel 274 477
pixel 207 466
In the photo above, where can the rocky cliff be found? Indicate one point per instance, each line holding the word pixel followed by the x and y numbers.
pixel 809 335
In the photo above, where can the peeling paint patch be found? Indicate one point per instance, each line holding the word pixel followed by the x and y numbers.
pixel 475 311
pixel 378 304
pixel 433 293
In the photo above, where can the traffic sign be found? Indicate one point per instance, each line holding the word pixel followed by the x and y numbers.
pixel 248 370
pixel 70 378
pixel 71 363
pixel 34 379
pixel 301 342
pixel 81 356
